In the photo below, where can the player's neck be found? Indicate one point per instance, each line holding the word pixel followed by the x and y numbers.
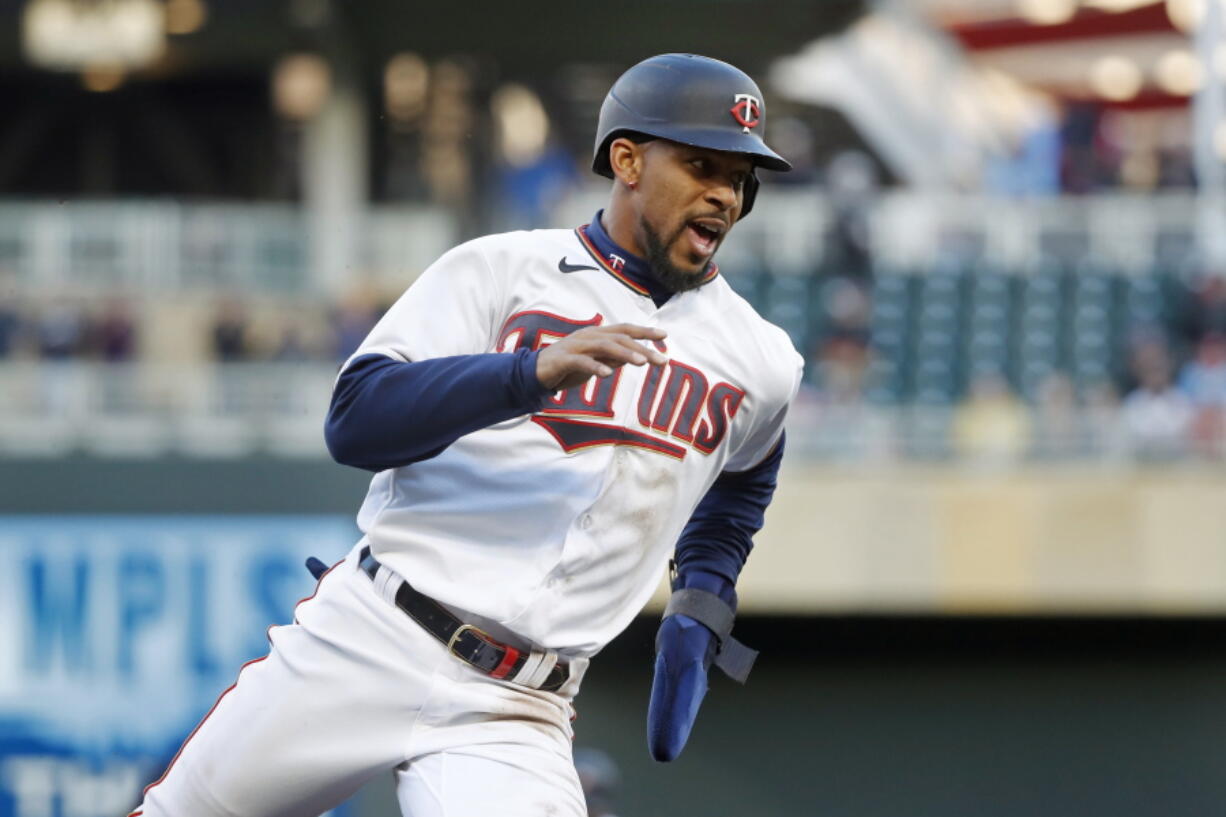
pixel 620 225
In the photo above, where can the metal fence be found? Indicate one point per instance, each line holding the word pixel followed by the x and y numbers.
pixel 158 248
pixel 50 408
pixel 166 247
pixel 53 408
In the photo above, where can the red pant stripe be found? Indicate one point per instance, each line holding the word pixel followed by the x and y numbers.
pixel 225 693
pixel 202 721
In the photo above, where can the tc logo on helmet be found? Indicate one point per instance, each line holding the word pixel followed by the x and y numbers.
pixel 747 111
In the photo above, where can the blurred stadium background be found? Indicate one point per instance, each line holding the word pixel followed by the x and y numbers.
pixel 994 577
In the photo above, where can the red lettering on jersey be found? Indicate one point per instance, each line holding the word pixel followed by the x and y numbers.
pixel 593 399
pixel 722 405
pixel 577 435
pixel 672 399
pixel 535 328
pixel 647 397
pixel 686 389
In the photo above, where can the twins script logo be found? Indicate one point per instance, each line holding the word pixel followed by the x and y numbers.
pixel 747 111
pixel 677 403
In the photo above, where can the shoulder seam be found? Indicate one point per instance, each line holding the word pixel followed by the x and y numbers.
pixel 499 287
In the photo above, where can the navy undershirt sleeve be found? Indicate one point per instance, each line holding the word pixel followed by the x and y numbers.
pixel 719 535
pixel 387 414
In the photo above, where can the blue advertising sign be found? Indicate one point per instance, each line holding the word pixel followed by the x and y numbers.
pixel 121 631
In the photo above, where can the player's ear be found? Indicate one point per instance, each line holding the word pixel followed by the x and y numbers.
pixel 626 159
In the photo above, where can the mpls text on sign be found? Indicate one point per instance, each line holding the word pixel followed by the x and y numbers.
pixel 120 633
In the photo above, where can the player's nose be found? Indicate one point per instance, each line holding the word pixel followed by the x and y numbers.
pixel 722 194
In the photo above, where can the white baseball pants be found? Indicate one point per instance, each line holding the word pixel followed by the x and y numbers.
pixel 354 688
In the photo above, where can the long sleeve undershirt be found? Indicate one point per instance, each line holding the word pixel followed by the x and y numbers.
pixel 719 535
pixel 388 414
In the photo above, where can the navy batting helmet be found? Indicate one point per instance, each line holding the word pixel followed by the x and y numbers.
pixel 692 100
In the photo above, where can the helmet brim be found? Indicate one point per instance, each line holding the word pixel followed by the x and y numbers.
pixel 746 144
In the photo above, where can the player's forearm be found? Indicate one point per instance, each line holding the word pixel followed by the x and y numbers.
pixel 387 414
pixel 719 535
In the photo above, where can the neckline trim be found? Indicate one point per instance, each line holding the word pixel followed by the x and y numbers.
pixel 592 235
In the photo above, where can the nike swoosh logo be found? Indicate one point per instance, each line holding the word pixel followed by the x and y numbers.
pixel 565 267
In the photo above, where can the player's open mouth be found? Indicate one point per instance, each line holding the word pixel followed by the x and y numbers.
pixel 705 234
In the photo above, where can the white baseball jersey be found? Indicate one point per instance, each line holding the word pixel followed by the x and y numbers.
pixel 558 525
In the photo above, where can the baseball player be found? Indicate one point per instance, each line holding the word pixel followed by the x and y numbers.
pixel 550 416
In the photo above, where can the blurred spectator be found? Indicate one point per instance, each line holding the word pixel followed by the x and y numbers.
pixel 793 138
pixel 1176 169
pixel 1157 417
pixel 841 362
pixel 1206 309
pixel 1147 347
pixel 1077 148
pixel 1204 378
pixel 1203 381
pixel 60 332
pixel 848 307
pixel 1103 431
pixel 847 244
pixel 59 335
pixel 1058 432
pixel 1032 167
pixel 291 347
pixel 113 336
pixel 229 332
pixel 600 778
pixel 840 356
pixel 851 183
pixel 1090 153
pixel 10 327
pixel 531 190
pixel 354 319
pixel 992 426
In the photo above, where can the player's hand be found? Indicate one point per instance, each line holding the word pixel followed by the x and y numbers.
pixel 596 352
pixel 684 651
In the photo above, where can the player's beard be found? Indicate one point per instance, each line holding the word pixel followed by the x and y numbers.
pixel 666 272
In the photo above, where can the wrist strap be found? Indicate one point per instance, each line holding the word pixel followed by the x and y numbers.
pixel 709 610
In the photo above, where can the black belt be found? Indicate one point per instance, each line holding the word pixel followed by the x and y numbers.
pixel 466 642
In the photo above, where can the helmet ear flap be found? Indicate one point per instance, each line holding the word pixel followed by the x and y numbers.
pixel 749 194
pixel 600 162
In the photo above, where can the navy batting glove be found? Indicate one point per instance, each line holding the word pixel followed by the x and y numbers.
pixel 684 651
